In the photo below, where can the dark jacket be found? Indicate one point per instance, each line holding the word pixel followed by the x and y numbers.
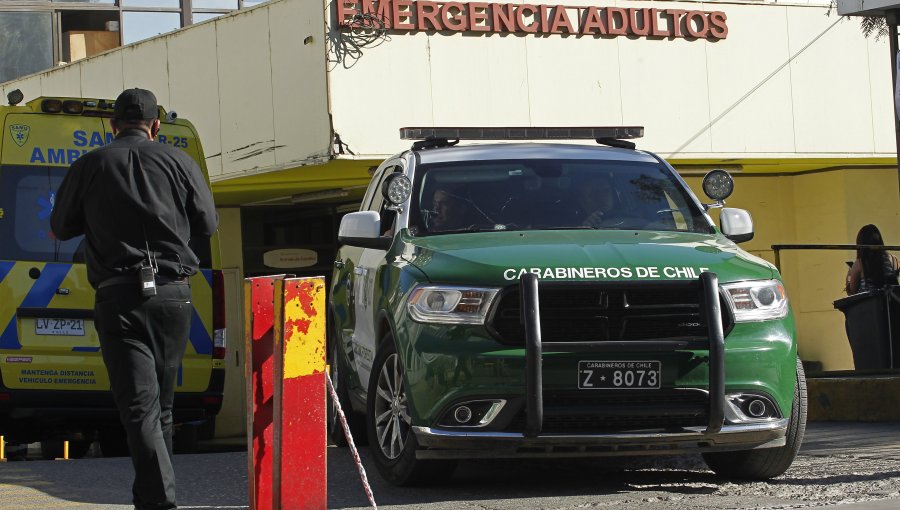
pixel 131 193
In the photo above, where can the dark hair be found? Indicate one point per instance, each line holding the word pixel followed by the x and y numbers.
pixel 122 124
pixel 872 260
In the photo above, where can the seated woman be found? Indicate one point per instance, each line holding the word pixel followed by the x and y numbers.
pixel 872 269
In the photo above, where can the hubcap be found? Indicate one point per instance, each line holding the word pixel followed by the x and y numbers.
pixel 392 421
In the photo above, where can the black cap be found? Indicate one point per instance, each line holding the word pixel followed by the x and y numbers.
pixel 136 104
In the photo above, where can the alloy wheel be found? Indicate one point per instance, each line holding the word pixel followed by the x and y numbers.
pixel 392 421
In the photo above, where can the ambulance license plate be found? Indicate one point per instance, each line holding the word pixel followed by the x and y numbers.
pixel 61 327
pixel 618 375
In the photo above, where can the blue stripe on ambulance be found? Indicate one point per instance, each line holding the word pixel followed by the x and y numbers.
pixel 200 339
pixel 5 268
pixel 42 291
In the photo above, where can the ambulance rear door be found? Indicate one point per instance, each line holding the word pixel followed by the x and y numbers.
pixel 47 335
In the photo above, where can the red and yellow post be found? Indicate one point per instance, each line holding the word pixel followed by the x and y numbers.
pixel 285 370
pixel 300 462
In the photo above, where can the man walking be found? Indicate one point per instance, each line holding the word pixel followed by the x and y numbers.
pixel 139 203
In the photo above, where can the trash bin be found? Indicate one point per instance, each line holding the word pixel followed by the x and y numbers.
pixel 873 327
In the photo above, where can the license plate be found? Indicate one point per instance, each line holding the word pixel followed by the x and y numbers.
pixel 617 375
pixel 61 327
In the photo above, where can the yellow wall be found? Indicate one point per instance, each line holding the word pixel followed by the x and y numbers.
pixel 816 208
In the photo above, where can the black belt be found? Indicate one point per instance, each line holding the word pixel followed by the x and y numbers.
pixel 132 279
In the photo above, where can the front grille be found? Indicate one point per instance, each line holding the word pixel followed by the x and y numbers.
pixel 587 412
pixel 590 312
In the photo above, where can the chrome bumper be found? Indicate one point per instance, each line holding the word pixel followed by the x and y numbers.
pixel 452 444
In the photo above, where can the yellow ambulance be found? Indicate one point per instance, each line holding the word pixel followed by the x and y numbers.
pixel 53 385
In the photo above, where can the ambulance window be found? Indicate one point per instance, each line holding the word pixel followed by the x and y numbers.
pixel 26 198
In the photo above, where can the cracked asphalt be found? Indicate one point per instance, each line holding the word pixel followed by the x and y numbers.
pixel 851 465
pixel 848 465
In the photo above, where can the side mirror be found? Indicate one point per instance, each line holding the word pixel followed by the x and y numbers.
pixel 737 224
pixel 363 229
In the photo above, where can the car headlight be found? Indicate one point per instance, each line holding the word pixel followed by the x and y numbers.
pixel 757 301
pixel 450 305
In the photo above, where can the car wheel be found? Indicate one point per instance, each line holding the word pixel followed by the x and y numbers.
pixel 338 375
pixel 389 425
pixel 766 463
pixel 186 438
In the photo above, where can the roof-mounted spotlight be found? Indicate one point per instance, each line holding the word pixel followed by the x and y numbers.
pixel 15 97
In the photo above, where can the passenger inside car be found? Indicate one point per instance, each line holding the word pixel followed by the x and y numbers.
pixel 595 200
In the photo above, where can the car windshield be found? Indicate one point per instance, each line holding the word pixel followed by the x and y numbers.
pixel 532 194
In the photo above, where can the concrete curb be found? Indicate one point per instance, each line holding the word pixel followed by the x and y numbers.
pixel 865 399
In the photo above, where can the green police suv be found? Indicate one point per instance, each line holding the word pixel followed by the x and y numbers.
pixel 549 299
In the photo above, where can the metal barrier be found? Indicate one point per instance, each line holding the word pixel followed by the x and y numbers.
pixel 853 247
pixel 285 372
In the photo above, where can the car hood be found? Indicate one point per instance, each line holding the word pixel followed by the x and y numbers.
pixel 499 258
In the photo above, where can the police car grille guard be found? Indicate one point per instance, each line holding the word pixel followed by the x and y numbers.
pixel 632 311
pixel 711 311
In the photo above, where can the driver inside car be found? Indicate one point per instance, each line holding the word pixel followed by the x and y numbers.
pixel 595 200
pixel 448 211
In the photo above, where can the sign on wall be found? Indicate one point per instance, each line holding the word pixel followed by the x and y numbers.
pixel 495 17
pixel 288 258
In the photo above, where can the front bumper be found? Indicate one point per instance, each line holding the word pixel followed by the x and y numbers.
pixel 444 444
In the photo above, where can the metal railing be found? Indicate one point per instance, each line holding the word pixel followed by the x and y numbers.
pixel 852 247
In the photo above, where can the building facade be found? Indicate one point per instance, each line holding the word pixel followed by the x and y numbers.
pixel 38 34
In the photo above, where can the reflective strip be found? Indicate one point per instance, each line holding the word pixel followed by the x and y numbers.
pixel 42 291
pixel 207 273
pixel 85 349
pixel 199 336
pixel 5 268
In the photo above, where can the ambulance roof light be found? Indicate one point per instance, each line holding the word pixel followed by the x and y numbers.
pixel 15 97
pixel 521 133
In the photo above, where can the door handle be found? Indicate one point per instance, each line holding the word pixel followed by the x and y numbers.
pixel 339 264
pixel 62 291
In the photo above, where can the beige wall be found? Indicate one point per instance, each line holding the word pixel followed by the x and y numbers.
pixel 232 420
pixel 253 83
pixel 783 84
pixel 817 208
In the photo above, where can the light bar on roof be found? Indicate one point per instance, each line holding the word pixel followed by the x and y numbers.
pixel 521 133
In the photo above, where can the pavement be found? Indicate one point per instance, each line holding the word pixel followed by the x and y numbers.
pixel 218 481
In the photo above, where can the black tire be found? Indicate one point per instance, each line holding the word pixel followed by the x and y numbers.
pixel 766 463
pixel 186 439
pixel 395 455
pixel 207 430
pixel 113 441
pixel 54 448
pixel 338 375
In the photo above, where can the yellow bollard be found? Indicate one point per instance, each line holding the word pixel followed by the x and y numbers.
pixel 2 449
pixel 65 451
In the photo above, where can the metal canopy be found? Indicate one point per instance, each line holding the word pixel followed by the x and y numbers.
pixel 866 7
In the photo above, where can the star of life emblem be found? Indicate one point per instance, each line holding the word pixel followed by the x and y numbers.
pixel 19 133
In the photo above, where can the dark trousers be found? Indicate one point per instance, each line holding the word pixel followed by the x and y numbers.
pixel 143 341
